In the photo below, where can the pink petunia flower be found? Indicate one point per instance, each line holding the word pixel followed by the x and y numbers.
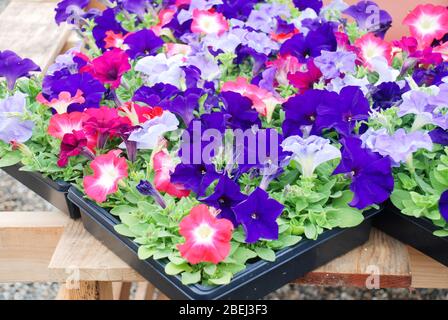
pixel 207 239
pixel 64 100
pixel 74 144
pixel 263 100
pixel 108 170
pixel 165 17
pixel 61 124
pixel 115 40
pixel 109 68
pixel 163 168
pixel 284 65
pixel 443 50
pixel 208 22
pixel 304 80
pixel 427 22
pixel 372 47
pixel 139 114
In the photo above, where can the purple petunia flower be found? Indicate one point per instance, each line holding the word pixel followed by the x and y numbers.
pixel 92 89
pixel 258 214
pixel 103 23
pixel 332 64
pixel 372 179
pixel 143 43
pixel 134 6
pixel 399 146
pixel 12 125
pixel 226 195
pixel 12 67
pixel 429 76
pixel 443 205
pixel 162 69
pixel 370 17
pixel 195 177
pixel 70 10
pixel 316 5
pixel 184 104
pixel 311 45
pixel 155 95
pixel 236 9
pixel 302 112
pixel 342 114
pixel 440 136
pixel 242 115
pixel 147 189
pixel 386 95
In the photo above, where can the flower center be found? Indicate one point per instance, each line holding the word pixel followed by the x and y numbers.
pixel 109 175
pixel 204 234
pixel 427 24
pixel 254 216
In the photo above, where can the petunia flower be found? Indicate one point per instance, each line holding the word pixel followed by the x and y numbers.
pixel 60 105
pixel 310 152
pixel 371 173
pixel 163 168
pixel 386 95
pixel 427 22
pixel 332 64
pixel 105 22
pixel 371 47
pixel 161 69
pixel 305 80
pixel 147 189
pixel 138 114
pixel 68 10
pixel 12 67
pixel 363 12
pixel 110 67
pixel 150 132
pixel 115 40
pixel 207 239
pixel 263 101
pixel 443 205
pixel 284 65
pixel 208 22
pixel 316 5
pixel 239 108
pixel 440 136
pixel 61 124
pixel 142 43
pixel 195 177
pixel 258 215
pixel 156 94
pixel 237 9
pixel 399 146
pixel 184 104
pixel 108 170
pixel 226 195
pixel 74 144
pixel 13 127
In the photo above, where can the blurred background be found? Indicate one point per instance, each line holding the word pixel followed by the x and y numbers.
pixel 15 197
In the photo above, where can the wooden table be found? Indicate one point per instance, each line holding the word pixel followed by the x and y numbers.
pixel 48 246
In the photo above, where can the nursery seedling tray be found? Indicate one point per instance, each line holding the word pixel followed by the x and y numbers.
pixel 258 279
pixel 54 192
pixel 416 232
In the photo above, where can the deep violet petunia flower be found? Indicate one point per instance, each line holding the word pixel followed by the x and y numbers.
pixel 440 136
pixel 142 43
pixel 195 177
pixel 258 215
pixel 184 104
pixel 371 174
pixel 302 112
pixel 311 45
pixel 386 95
pixel 344 112
pixel 12 67
pixel 443 205
pixel 163 168
pixel 109 68
pixel 236 9
pixel 427 23
pixel 62 81
pixel 74 144
pixel 153 96
pixel 13 128
pixel 428 77
pixel 69 10
pixel 226 195
pixel 135 6
pixel 108 170
pixel 316 5
pixel 370 17
pixel 239 108
pixel 147 189
pixel 207 239
pixel 104 23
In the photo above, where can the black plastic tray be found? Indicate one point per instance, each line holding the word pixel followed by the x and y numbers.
pixel 54 192
pixel 416 232
pixel 257 280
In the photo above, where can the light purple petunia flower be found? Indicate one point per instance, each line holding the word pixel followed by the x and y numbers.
pixel 310 152
pixel 399 146
pixel 260 42
pixel 264 18
pixel 70 10
pixel 160 69
pixel 332 64
pixel 63 61
pixel 12 125
pixel 12 67
pixel 205 62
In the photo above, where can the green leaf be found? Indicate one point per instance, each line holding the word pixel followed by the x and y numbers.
pixel 344 217
pixel 191 278
pixel 224 279
pixel 10 159
pixel 124 230
pixel 310 230
pixel 265 253
pixel 173 269
pixel 242 254
pixel 210 269
pixel 145 252
pixel 441 233
pixel 116 211
pixel 128 219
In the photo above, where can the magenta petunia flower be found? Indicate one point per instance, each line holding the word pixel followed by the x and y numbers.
pixel 12 67
pixel 109 68
pixel 74 144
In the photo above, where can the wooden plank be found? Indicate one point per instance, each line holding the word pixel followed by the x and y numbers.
pixel 86 290
pixel 426 272
pixel 39 39
pixel 80 252
pixel 27 243
pixel 381 262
